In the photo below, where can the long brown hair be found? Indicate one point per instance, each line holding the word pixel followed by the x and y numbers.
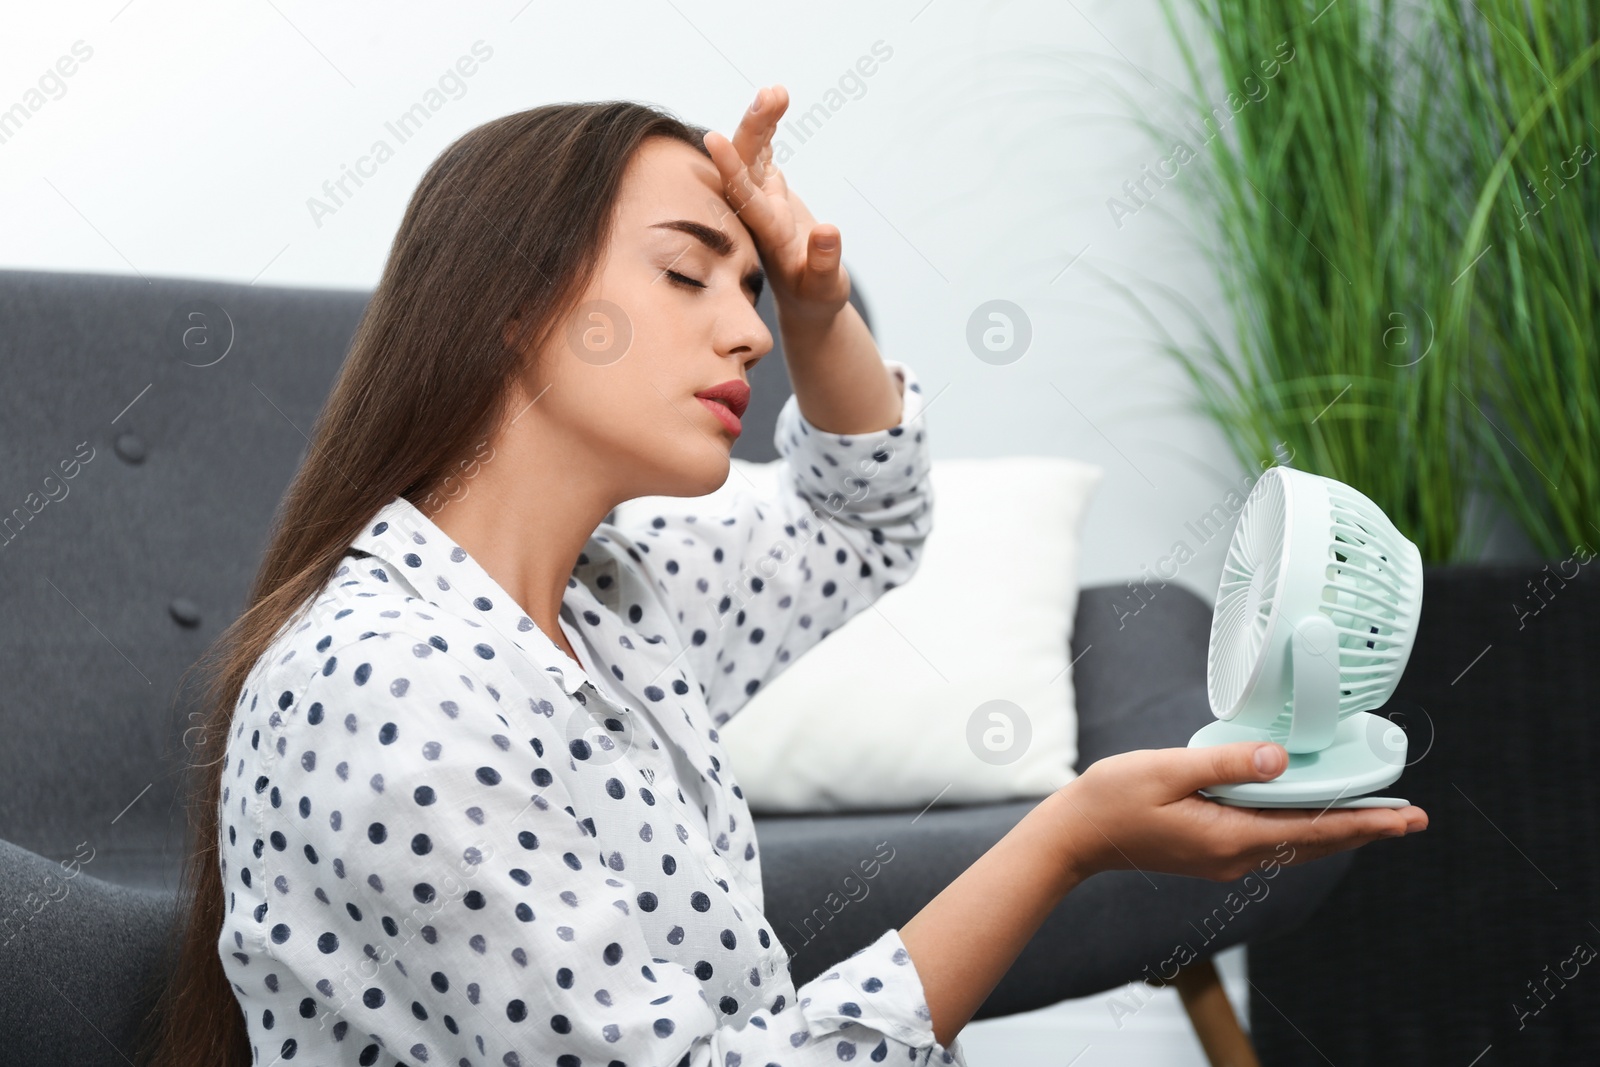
pixel 508 223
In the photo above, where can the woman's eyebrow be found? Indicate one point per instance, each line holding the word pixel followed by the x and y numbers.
pixel 713 238
pixel 719 242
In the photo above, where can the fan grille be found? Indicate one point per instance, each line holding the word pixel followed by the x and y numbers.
pixel 1247 595
pixel 1367 597
pixel 1368 592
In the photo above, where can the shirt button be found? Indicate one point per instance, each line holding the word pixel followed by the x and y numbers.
pixel 718 866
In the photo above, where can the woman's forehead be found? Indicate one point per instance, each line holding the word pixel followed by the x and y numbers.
pixel 671 180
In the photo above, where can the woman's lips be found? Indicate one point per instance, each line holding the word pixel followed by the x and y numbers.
pixel 728 401
pixel 724 414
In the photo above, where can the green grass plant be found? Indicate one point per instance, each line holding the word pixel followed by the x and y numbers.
pixel 1406 230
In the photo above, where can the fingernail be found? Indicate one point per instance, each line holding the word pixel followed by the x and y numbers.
pixel 757 105
pixel 1266 759
pixel 1394 833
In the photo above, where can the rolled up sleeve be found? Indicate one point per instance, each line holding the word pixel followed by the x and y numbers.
pixel 874 999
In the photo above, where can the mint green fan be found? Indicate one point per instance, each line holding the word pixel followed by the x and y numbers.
pixel 1314 622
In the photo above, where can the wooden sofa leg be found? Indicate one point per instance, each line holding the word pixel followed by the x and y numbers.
pixel 1215 1023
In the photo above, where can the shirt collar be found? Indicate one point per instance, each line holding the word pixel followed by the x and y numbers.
pixel 443 573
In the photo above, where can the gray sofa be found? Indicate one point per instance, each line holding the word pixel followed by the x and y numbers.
pixel 115 577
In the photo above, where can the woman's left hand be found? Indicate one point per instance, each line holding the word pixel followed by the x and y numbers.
pixel 800 255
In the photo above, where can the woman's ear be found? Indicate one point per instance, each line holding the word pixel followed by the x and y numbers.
pixel 511 332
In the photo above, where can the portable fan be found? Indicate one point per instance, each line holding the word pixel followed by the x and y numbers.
pixel 1314 622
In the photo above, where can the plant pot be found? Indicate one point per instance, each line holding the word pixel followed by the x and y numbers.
pixel 1480 933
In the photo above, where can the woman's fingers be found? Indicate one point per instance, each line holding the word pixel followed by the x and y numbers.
pixel 1319 830
pixel 757 126
pixel 747 197
pixel 1332 830
pixel 823 281
pixel 1295 836
pixel 1306 851
pixel 1187 770
pixel 823 251
pixel 735 178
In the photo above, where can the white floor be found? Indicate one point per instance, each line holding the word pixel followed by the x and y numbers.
pixel 1136 1026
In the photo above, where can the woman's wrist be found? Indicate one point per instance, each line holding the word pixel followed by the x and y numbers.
pixel 966 938
pixel 801 314
pixel 840 380
pixel 807 328
pixel 1080 844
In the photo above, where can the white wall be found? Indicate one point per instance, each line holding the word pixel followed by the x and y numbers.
pixel 975 164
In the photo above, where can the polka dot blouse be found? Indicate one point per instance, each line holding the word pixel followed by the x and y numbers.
pixel 443 841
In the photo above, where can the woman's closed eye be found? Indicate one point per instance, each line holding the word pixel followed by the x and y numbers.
pixel 684 280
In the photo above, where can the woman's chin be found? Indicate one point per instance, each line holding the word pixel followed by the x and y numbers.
pixel 712 476
pixel 699 474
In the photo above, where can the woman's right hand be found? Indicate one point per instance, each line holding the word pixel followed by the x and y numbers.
pixel 1141 810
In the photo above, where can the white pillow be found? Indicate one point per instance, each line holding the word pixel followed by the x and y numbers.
pixel 889 710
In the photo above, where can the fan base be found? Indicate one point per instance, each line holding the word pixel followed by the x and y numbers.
pixel 1368 752
pixel 1346 802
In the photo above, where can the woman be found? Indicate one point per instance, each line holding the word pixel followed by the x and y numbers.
pixel 465 801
